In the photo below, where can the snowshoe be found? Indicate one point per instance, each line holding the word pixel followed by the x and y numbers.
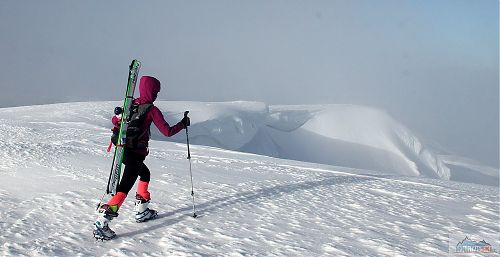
pixel 142 212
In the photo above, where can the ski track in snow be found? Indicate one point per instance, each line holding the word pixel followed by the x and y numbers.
pixel 248 205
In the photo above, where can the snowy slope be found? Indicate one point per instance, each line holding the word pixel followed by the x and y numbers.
pixel 54 168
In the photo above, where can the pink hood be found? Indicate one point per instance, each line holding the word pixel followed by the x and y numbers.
pixel 148 88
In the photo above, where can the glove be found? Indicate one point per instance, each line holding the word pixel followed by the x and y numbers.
pixel 186 121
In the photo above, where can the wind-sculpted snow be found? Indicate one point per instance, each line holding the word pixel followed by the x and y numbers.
pixel 54 169
pixel 359 137
pixel 342 135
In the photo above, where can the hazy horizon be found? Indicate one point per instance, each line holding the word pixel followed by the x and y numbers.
pixel 433 65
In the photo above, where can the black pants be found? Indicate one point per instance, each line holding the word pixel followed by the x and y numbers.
pixel 134 167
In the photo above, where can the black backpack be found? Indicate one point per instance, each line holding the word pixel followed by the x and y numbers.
pixel 134 132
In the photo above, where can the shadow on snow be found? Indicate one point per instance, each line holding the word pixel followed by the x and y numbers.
pixel 249 197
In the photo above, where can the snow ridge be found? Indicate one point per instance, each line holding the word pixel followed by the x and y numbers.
pixel 341 135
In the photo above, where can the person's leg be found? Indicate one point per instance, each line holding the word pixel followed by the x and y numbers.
pixel 133 164
pixel 142 187
pixel 142 212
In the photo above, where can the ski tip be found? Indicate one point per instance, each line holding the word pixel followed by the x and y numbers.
pixel 135 63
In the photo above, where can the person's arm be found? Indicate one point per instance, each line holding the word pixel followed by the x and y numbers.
pixel 162 124
pixel 116 120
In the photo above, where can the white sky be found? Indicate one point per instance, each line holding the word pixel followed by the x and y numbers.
pixel 432 64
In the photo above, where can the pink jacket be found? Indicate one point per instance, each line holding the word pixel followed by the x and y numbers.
pixel 116 122
pixel 148 89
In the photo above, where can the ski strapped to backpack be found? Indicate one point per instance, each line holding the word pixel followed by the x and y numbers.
pixel 115 173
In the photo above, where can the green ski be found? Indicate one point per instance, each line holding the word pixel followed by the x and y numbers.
pixel 116 168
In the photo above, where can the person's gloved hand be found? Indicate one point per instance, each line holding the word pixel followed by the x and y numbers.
pixel 186 121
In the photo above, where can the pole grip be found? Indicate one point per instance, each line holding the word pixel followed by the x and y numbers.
pixel 187 137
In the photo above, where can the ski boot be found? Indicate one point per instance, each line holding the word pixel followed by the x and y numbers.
pixel 142 212
pixel 101 225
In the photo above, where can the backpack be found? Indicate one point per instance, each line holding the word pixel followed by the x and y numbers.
pixel 134 132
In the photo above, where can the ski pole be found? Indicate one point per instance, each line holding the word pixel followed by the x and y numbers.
pixel 190 171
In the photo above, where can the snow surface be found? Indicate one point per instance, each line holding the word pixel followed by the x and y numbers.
pixel 369 186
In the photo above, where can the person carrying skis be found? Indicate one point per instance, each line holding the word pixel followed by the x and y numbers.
pixel 134 156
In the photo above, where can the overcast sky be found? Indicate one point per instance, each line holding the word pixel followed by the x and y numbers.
pixel 432 64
